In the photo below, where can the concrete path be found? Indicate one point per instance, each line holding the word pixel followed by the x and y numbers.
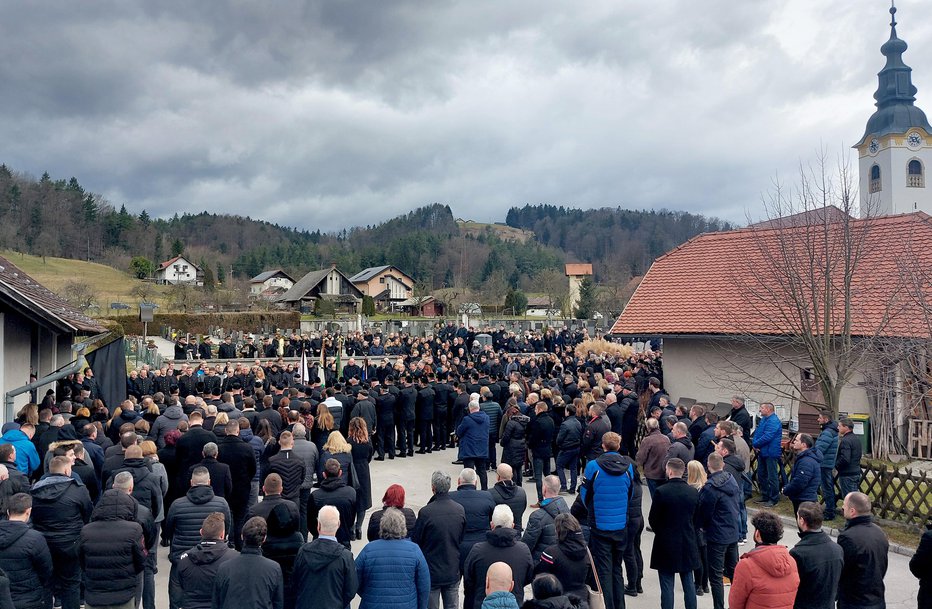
pixel 414 476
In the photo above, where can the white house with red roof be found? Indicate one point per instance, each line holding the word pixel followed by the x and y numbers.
pixel 179 270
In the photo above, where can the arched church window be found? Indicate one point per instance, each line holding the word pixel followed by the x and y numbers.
pixel 915 176
pixel 875 178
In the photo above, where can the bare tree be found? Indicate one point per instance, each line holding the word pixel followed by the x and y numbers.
pixel 555 286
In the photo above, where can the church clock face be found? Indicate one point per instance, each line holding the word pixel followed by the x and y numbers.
pixel 874 146
pixel 914 140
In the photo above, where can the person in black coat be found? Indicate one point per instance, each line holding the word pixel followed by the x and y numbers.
pixel 541 431
pixel 61 506
pixel 740 416
pixel 634 561
pixel 501 545
pixel 507 492
pixel 241 459
pixel 629 421
pixel 514 439
pixel 24 555
pixel 250 580
pixel 865 548
pixel 439 531
pixel 597 426
pixel 385 424
pixel 334 491
pixel 324 571
pixel 221 479
pixel 289 466
pixel 675 547
pixel 282 545
pixel 272 491
pixel 921 566
pixel 394 497
pixel 477 505
pixel 568 559
pixel 190 446
pixel 818 559
pixel 111 551
pixel 146 487
pixel 197 568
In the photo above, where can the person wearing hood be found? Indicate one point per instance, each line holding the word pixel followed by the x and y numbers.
pixel 507 492
pixel 112 550
pixel 147 487
pixel 166 422
pixel 197 568
pixel 183 524
pixel 607 487
pixel 541 533
pixel 501 545
pixel 439 531
pixel 549 594
pixel 567 559
pixel 806 475
pixel 282 543
pixel 827 443
pixel 27 458
pixel 24 555
pixel 514 439
pixel 734 465
pixel 766 577
pixel 334 491
pixel 681 446
pixel 61 506
pixel 324 571
pixel 473 434
pixel 718 516
pixel 818 559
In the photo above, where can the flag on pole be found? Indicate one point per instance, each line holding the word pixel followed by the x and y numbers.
pixel 304 374
pixel 339 353
pixel 323 364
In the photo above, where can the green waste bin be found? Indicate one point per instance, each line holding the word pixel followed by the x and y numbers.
pixel 862 429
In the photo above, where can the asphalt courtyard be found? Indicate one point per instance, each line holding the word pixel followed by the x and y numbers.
pixel 414 475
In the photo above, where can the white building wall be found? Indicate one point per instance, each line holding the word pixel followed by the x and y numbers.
pixel 17 354
pixel 895 197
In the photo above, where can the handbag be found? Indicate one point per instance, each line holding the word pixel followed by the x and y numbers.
pixel 596 598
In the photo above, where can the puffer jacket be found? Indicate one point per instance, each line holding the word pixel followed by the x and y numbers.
pixel 765 578
pixel 514 440
pixel 719 509
pixel 541 533
pixel 473 432
pixel 166 422
pixel 393 574
pixel 147 486
pixel 767 436
pixel 197 570
pixel 605 492
pixel 27 458
pixel 848 461
pixel 126 416
pixel 506 492
pixel 568 561
pixel 827 443
pixel 61 506
pixel 805 477
pixel 569 437
pixel 187 514
pixel 112 551
pixel 25 558
pixel 292 470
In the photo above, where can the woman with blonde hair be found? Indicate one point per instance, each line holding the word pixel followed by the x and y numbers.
pixel 361 451
pixel 696 478
pixel 338 448
pixel 220 424
pixel 323 425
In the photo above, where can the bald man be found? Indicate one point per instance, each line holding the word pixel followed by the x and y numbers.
pixel 498 584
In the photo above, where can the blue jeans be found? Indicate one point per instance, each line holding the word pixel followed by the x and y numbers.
pixel 450 595
pixel 568 460
pixel 768 478
pixel 828 492
pixel 848 484
pixel 666 589
pixel 743 519
pixel 652 486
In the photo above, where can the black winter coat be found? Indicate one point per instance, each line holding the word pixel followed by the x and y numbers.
pixel 375 520
pixel 147 489
pixel 506 492
pixel 541 533
pixel 921 566
pixel 848 462
pixel 500 545
pixel 478 506
pixel 25 558
pixel 190 446
pixel 281 545
pixel 819 561
pixel 333 491
pixel 591 446
pixel 439 531
pixel 718 513
pixel 241 458
pixel 742 418
pixel 249 580
pixel 671 517
pixel 568 561
pixel 112 552
pixel 60 508
pixel 324 575
pixel 183 523
pixel 197 571
pixel 514 440
pixel 292 470
pixel 540 436
pixel 865 548
pixel 569 437
pixel 270 502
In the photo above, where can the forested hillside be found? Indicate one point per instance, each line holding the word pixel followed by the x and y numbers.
pixel 57 217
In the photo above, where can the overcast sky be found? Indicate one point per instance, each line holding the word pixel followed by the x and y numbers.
pixel 337 113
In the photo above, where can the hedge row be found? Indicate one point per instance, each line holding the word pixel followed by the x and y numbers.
pixel 201 323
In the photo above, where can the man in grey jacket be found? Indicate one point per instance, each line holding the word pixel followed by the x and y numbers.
pixel 305 450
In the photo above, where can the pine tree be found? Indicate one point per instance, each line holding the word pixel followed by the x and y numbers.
pixel 144 219
pixel 586 306
pixel 177 247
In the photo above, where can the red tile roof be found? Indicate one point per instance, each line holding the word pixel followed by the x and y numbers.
pixel 734 282
pixel 578 269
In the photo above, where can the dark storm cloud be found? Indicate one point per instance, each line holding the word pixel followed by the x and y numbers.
pixel 324 114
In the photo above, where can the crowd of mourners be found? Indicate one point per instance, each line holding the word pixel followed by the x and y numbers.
pixel 256 477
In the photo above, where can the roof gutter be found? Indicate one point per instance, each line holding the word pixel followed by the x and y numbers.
pixel 72 368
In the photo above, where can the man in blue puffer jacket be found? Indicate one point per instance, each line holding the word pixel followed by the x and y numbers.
pixel 806 476
pixel 605 492
pixel 27 458
pixel 473 433
pixel 719 516
pixel 827 443
pixel 766 442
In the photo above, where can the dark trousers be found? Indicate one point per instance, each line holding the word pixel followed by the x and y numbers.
pixel 440 430
pixel 493 448
pixel 828 492
pixel 239 519
pixel 568 460
pixel 628 442
pixel 175 591
pixel 482 470
pixel 723 558
pixel 151 567
pixel 667 579
pixel 608 555
pixel 701 575
pixel 634 561
pixel 541 469
pixel 652 486
pixel 406 437
pixel 768 478
pixel 427 435
pixel 848 484
pixel 305 498
pixel 385 439
pixel 66 575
